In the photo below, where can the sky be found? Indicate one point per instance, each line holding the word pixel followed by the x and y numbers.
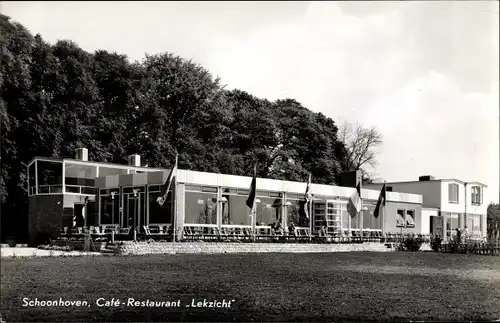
pixel 426 74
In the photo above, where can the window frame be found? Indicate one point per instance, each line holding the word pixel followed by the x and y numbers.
pixel 450 197
pixel 413 218
pixel 404 218
pixel 476 195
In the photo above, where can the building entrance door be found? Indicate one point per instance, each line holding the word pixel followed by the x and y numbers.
pixel 134 214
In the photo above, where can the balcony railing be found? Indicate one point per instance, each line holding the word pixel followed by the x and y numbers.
pixel 58 189
pixel 50 189
pixel 89 190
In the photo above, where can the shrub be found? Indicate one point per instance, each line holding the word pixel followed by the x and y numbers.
pixel 436 243
pixel 410 244
pixel 43 238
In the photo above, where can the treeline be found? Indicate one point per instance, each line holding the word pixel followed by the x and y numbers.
pixel 56 98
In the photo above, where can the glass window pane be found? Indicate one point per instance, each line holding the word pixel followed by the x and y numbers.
pixel 410 218
pixel 200 208
pixel 268 211
pixel 80 175
pixel 296 214
pixel 110 170
pixel 235 211
pixel 226 190
pixel 32 176
pixel 193 188
pixel 208 189
pixel 49 173
pixel 155 188
pixel 400 221
pixel 110 209
pixel 131 189
pixel 160 214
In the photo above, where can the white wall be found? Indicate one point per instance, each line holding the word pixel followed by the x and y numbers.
pixel 429 190
pixel 426 219
pixel 464 194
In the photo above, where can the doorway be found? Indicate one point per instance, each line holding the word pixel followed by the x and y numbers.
pixel 78 217
pixel 134 213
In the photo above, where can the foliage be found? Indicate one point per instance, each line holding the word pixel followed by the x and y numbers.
pixel 410 243
pixel 436 243
pixel 493 222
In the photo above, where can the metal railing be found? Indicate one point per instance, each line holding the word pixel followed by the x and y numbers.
pixel 58 189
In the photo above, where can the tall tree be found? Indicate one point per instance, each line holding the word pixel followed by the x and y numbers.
pixel 361 145
pixel 178 92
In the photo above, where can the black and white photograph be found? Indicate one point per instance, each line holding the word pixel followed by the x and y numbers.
pixel 249 161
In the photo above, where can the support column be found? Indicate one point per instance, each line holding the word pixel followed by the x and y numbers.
pixel 445 227
pixel 63 177
pixel 36 176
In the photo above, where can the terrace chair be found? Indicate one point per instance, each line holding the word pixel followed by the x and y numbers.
pixel 187 233
pixel 224 234
pixel 123 233
pixel 148 233
pixel 210 234
pixel 239 233
pixel 97 234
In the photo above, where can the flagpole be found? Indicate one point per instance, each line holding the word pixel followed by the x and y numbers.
pixel 383 213
pixel 174 196
pixel 254 213
pixel 310 218
pixel 361 214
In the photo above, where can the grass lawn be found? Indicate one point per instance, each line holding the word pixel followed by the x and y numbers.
pixel 264 287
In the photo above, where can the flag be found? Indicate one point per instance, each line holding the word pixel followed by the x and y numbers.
pixel 251 195
pixel 166 187
pixel 307 197
pixel 354 204
pixel 85 201
pixel 380 202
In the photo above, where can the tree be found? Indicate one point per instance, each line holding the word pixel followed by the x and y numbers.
pixel 360 146
pixel 493 222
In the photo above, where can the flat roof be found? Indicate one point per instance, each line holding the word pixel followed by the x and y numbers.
pixel 92 163
pixel 431 180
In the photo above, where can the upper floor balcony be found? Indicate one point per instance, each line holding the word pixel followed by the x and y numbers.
pixel 70 176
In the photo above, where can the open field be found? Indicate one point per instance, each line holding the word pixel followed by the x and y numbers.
pixel 264 287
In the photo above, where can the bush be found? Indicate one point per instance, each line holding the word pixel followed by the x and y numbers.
pixel 436 243
pixel 410 244
pixel 43 238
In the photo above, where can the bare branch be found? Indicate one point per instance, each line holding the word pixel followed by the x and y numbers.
pixel 361 145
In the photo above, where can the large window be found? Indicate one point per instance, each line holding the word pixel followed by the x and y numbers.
pixel 110 206
pixel 159 214
pixel 405 218
pixel 80 178
pixel 410 218
pixel 400 220
pixel 453 193
pixel 369 219
pixel 234 210
pixel 296 214
pixel 49 177
pixel 268 211
pixel 108 171
pixel 134 207
pixel 200 205
pixel 32 179
pixel 476 195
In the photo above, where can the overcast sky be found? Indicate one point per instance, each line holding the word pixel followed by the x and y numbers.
pixel 425 73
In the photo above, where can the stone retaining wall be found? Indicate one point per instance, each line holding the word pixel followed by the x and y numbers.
pixel 143 248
